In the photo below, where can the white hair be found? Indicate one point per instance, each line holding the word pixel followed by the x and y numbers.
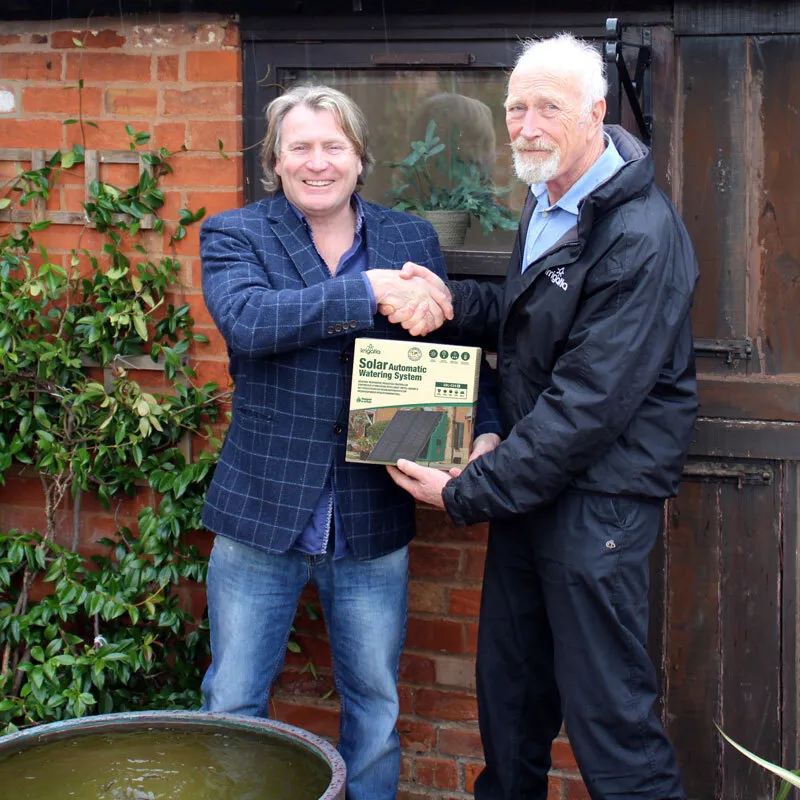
pixel 566 55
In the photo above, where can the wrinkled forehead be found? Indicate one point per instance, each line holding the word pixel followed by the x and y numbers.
pixel 542 80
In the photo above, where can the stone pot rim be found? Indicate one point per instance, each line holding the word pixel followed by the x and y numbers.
pixel 54 731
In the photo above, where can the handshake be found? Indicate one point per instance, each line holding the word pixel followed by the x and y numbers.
pixel 413 297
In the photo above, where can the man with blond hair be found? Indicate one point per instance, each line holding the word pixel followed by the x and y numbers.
pixel 290 282
pixel 598 398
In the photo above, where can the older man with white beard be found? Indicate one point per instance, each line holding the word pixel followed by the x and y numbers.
pixel 597 398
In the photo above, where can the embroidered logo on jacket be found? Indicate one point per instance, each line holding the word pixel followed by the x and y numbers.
pixel 557 277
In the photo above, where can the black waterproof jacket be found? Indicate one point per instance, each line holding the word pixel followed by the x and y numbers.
pixel 594 350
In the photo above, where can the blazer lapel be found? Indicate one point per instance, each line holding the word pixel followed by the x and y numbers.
pixel 296 240
pixel 380 247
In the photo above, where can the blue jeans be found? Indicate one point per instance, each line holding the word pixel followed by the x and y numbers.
pixel 252 598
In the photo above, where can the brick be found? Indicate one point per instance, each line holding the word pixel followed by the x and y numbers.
pixel 440 635
pixel 207 136
pixel 39 38
pixel 416 669
pixel 415 736
pixel 67 237
pixel 434 562
pixel 473 566
pixel 101 39
pixel 213 202
pixel 171 135
pixel 191 170
pixel 132 102
pixel 555 787
pixel 108 135
pixel 319 720
pixel 294 683
pixel 215 347
pixel 210 34
pixel 124 507
pixel 433 525
pixel 576 789
pixel 213 372
pixel 146 37
pixel 562 756
pixel 25 519
pixel 198 309
pixel 11 38
pixel 30 132
pixel 315 648
pixel 464 602
pixel 233 36
pixel 204 101
pixel 73 199
pixel 471 771
pixel 406 769
pixel 192 599
pixel 203 540
pixel 168 68
pixel 471 635
pixel 30 67
pixel 205 67
pixel 22 492
pixel 108 67
pixel 460 742
pixel 66 100
pixel 408 794
pixel 405 696
pixel 425 597
pixel 436 772
pixel 9 101
pixel 458 672
pixel 438 704
pixel 120 174
pixel 98 526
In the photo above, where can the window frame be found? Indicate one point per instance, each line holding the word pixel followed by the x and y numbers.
pixel 273 46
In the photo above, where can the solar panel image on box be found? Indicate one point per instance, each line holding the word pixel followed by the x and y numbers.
pixel 406 436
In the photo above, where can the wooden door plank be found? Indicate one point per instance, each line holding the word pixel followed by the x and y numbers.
pixel 714 191
pixel 750 628
pixel 692 665
pixel 775 277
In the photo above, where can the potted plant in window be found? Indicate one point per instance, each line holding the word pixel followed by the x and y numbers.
pixel 447 190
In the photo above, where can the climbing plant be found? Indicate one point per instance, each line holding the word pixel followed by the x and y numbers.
pixel 78 634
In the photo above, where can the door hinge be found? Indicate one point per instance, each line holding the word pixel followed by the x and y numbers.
pixel 729 349
pixel 750 474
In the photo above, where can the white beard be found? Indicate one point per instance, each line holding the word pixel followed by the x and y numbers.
pixel 536 168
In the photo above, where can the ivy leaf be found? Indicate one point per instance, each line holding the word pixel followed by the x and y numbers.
pixel 140 325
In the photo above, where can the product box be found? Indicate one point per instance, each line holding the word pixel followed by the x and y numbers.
pixel 414 401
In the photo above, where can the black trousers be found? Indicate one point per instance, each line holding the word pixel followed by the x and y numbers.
pixel 562 637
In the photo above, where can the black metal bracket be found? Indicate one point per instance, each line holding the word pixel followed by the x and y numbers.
pixel 743 474
pixel 728 349
pixel 638 89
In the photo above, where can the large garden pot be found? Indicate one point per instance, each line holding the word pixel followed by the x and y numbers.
pixel 450 226
pixel 169 755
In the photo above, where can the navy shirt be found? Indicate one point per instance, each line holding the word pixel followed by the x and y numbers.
pixel 315 539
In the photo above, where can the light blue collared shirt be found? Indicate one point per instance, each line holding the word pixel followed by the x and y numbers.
pixel 550 222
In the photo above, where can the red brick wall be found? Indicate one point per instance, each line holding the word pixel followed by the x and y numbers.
pixel 180 79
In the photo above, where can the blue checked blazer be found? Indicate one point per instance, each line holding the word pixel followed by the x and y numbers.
pixel 290 328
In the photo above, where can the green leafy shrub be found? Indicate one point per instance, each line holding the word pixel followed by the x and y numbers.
pixel 85 635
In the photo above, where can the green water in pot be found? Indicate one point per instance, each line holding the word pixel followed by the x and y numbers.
pixel 164 764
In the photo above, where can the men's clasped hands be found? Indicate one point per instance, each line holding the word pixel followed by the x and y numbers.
pixel 413 297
